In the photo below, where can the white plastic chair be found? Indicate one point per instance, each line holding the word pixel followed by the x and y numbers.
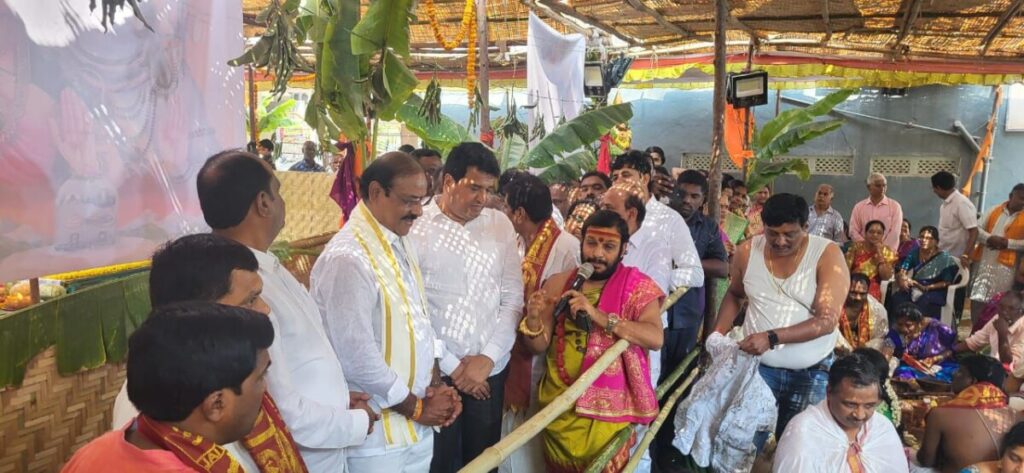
pixel 962 278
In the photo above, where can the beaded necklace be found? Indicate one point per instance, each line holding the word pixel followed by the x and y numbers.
pixel 560 345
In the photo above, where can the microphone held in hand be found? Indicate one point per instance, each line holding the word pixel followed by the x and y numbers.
pixel 582 275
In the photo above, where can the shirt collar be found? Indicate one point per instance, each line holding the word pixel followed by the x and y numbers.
pixel 949 199
pixel 266 260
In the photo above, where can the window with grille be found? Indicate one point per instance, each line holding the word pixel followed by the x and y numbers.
pixel 914 166
pixel 703 161
pixel 824 165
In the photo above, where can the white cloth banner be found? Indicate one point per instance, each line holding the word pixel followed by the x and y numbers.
pixel 554 73
pixel 102 134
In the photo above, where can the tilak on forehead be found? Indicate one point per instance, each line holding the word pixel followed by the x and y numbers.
pixel 604 233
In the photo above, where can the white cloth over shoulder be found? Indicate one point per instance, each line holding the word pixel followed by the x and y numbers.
pixel 728 405
pixel 814 443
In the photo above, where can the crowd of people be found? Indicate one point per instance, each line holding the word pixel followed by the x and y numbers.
pixel 458 300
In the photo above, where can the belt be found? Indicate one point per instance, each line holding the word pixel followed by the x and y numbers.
pixel 822 365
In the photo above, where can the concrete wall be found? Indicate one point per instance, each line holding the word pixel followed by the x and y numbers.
pixel 680 122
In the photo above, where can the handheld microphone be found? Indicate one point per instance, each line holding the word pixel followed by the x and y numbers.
pixel 583 273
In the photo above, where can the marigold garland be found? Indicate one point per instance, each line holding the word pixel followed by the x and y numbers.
pixel 467 30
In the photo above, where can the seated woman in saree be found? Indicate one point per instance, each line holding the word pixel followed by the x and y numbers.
pixel 872 258
pixel 923 345
pixel 925 275
pixel 907 242
pixel 617 302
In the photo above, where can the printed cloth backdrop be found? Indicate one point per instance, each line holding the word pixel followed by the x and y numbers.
pixel 102 133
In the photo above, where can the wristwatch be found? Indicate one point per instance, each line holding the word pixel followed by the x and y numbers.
pixel 773 339
pixel 613 320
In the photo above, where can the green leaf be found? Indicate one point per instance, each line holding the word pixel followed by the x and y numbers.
pixel 511 152
pixel 763 174
pixel 442 136
pixel 400 82
pixel 258 54
pixel 277 118
pixel 795 137
pixel 385 25
pixel 576 133
pixel 798 116
pixel 570 167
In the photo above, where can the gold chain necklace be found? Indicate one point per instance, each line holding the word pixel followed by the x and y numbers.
pixel 771 266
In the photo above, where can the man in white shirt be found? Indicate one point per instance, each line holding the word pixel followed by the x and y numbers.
pixel 1003 335
pixel 843 433
pixel 369 289
pixel 471 270
pixel 547 250
pixel 958 218
pixel 241 200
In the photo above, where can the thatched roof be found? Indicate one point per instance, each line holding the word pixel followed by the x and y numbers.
pixel 973 30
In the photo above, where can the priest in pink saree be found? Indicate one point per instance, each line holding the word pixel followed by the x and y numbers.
pixel 617 302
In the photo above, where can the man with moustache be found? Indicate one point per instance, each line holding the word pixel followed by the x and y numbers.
pixel 843 433
pixel 617 302
pixel 474 289
pixel 369 289
pixel 794 285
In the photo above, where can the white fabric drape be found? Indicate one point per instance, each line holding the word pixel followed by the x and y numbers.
pixel 554 73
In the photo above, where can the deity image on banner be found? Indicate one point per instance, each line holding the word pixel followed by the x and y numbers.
pixel 104 135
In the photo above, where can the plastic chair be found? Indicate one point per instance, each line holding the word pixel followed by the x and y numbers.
pixel 962 278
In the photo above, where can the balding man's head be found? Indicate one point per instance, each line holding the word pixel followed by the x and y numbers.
pixel 877 185
pixel 823 197
pixel 235 186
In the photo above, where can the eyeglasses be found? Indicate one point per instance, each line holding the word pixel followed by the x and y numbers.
pixel 413 201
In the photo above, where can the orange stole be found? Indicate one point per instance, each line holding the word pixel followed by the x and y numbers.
pixel 863 334
pixel 517 387
pixel 979 396
pixel 1014 231
pixel 270 444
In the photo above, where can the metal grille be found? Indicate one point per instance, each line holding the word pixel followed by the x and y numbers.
pixel 918 166
pixel 833 165
pixel 703 161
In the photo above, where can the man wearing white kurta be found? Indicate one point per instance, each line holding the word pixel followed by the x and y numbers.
pixel 368 286
pixel 471 270
pixel 546 250
pixel 242 201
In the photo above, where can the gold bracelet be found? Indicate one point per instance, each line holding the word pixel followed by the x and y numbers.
pixel 418 411
pixel 525 329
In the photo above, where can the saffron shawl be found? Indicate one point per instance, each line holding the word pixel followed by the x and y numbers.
pixel 623 393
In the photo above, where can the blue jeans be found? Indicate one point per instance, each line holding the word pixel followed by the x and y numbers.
pixel 794 390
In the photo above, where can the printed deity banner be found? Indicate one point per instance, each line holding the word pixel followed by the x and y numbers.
pixel 102 133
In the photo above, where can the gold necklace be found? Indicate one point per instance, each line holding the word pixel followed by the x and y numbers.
pixel 771 266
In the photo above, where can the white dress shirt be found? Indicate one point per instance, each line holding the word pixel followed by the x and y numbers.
pixel 652 256
pixel 666 224
pixel 473 277
pixel 349 296
pixel 305 378
pixel 957 215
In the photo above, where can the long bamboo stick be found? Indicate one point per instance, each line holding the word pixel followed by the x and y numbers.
pixel 652 430
pixel 495 454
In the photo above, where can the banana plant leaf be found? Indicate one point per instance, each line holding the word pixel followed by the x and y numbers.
pixel 577 133
pixel 339 104
pixel 794 137
pixel 570 167
pixel 398 82
pixel 275 118
pixel 763 174
pixel 442 136
pixel 790 118
pixel 386 25
pixel 511 152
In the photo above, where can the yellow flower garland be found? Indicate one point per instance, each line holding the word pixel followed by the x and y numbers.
pixel 467 30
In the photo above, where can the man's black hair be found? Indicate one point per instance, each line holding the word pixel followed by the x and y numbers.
pixel 859 278
pixel 228 183
pixel 944 180
pixel 385 169
pixel 857 368
pixel 662 170
pixel 507 177
pixel 656 149
pixel 784 208
pixel 1013 439
pixel 607 219
pixel 531 194
pixel 269 145
pixel 984 369
pixel 694 178
pixel 184 352
pixel 425 153
pixel 604 177
pixel 635 160
pixel 1019 187
pixel 467 155
pixel 407 148
pixel 196 268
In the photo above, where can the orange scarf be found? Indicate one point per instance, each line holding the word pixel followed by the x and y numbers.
pixel 863 327
pixel 1014 231
pixel 270 444
pixel 520 373
pixel 979 396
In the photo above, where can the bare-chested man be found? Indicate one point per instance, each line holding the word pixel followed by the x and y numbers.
pixel 968 429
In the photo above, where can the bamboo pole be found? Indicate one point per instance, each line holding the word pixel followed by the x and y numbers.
pixel 718 107
pixel 483 80
pixel 254 133
pixel 652 430
pixel 494 455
